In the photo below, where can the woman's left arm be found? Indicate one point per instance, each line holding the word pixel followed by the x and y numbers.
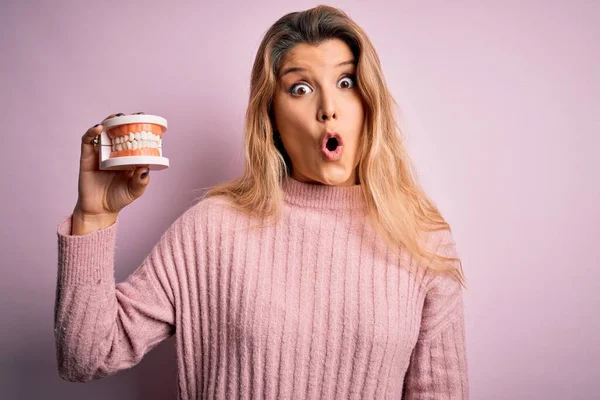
pixel 438 364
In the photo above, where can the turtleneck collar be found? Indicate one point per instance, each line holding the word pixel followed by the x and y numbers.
pixel 322 196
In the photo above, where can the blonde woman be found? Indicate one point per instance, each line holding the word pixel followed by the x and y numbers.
pixel 323 272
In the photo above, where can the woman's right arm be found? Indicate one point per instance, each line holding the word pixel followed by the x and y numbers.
pixel 102 327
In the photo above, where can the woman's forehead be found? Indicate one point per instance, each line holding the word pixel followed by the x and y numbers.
pixel 329 54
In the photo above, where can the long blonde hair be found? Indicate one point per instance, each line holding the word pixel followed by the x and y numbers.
pixel 396 204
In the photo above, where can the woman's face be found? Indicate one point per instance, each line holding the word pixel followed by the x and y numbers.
pixel 319 112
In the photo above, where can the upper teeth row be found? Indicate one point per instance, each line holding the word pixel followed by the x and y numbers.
pixel 143 135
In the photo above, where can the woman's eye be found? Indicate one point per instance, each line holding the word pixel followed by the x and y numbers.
pixel 300 89
pixel 346 82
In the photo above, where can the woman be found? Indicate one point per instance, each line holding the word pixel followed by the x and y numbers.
pixel 324 271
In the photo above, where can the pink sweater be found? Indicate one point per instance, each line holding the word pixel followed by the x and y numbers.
pixel 312 308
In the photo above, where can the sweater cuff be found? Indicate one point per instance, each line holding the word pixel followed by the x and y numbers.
pixel 85 259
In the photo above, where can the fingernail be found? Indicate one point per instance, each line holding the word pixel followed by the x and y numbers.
pixel 119 115
pixel 145 174
pixel 96 125
pixel 138 113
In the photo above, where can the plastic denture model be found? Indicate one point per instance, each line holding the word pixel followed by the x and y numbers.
pixel 133 140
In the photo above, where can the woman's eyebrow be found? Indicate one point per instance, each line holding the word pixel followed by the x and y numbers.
pixel 300 69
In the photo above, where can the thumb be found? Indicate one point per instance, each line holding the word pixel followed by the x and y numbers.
pixel 138 181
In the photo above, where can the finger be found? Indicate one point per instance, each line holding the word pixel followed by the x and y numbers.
pixel 139 181
pixel 94 132
pixel 90 134
pixel 113 116
pixel 130 172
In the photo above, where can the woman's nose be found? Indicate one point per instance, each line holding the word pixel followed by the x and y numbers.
pixel 325 116
pixel 327 109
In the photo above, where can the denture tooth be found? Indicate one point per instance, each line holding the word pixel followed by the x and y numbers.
pixel 134 145
pixel 120 140
pixel 138 136
pixel 119 147
pixel 144 135
pixel 131 136
pixel 128 145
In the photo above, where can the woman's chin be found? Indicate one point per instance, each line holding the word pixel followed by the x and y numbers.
pixel 330 176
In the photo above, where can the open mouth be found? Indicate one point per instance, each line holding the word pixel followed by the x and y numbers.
pixel 331 146
pixel 135 140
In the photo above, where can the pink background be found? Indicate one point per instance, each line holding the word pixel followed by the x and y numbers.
pixel 500 102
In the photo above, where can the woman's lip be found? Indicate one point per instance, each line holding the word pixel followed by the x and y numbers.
pixel 334 155
pixel 330 155
pixel 328 135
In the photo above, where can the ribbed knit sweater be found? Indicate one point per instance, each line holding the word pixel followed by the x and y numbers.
pixel 313 307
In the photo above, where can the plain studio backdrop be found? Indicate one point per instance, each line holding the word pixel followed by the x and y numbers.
pixel 500 104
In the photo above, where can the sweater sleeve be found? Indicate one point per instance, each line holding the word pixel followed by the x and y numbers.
pixel 438 364
pixel 102 327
